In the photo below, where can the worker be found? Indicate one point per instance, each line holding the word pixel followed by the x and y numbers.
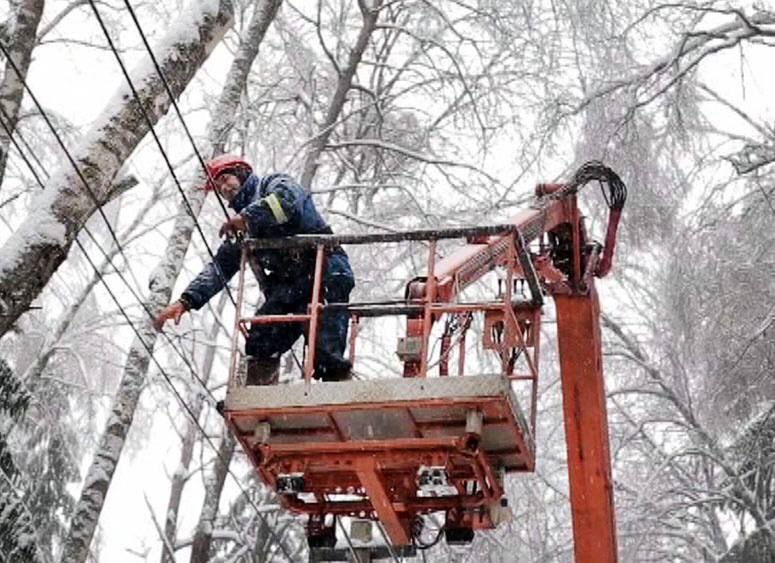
pixel 273 206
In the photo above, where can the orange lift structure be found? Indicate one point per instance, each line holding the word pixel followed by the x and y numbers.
pixel 394 449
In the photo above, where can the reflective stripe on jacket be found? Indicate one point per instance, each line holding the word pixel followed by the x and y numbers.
pixel 272 206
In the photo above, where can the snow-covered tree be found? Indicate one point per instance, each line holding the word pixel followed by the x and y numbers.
pixel 41 243
pixel 395 114
pixel 18 538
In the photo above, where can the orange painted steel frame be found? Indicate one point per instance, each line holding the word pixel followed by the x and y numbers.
pixel 387 469
pixel 579 341
pixel 578 330
pixel 586 427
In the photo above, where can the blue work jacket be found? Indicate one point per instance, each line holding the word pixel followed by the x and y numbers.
pixel 272 206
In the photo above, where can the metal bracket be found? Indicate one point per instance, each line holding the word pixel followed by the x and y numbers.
pixel 409 348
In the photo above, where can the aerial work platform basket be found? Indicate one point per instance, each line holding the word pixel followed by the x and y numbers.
pixel 382 441
pixel 394 449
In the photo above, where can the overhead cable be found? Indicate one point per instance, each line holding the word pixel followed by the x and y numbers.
pixel 164 155
pixel 108 259
pixel 151 356
pixel 60 142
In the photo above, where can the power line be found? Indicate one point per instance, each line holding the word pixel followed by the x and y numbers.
pixel 98 205
pixel 158 142
pixel 23 140
pixel 107 287
pixel 26 160
pixel 108 259
pixel 151 356
pixel 183 123
pixel 171 96
pixel 61 144
pixel 190 138
pixel 185 405
pixel 9 132
pixel 164 155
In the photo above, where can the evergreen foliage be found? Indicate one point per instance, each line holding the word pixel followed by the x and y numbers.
pixel 18 537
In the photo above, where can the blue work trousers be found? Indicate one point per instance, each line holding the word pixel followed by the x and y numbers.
pixel 293 295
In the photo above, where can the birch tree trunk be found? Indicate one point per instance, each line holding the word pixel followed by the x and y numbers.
pixel 41 243
pixel 54 336
pixel 22 31
pixel 200 549
pixel 179 477
pixel 344 83
pixel 162 281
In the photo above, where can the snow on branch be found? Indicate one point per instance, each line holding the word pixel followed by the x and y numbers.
pixel 34 252
pixel 428 159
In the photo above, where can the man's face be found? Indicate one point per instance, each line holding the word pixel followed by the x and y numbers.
pixel 227 186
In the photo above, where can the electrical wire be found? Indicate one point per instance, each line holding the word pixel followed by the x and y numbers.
pixel 159 144
pixel 149 350
pixel 120 249
pixel 164 155
pixel 182 120
pixel 97 204
pixel 596 170
pixel 9 132
pixel 23 140
pixel 70 158
pixel 172 99
pixel 97 271
pixel 187 408
pixel 136 95
pixel 106 256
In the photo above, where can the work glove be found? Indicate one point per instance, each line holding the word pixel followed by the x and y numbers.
pixel 234 227
pixel 172 311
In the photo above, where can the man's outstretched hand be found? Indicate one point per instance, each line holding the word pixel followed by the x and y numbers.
pixel 173 311
pixel 233 227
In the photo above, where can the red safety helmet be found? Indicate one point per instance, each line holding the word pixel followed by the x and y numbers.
pixel 223 164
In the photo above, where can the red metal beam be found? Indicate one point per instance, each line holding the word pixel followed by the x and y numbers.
pixel 314 313
pixel 274 319
pixel 467 403
pixel 586 427
pixel 472 261
pixel 367 447
pixel 367 473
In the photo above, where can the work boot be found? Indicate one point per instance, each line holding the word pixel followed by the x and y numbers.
pixel 262 371
pixel 341 370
